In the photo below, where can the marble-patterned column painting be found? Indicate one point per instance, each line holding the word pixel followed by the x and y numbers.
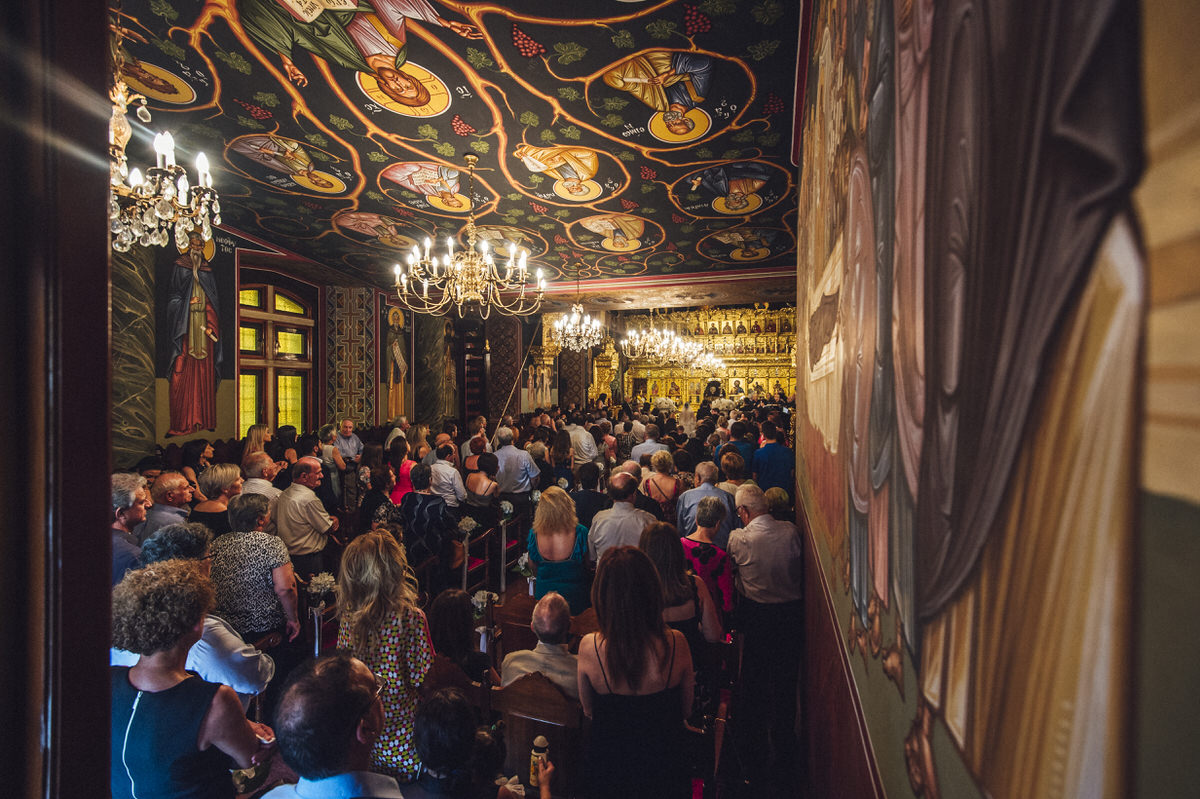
pixel 133 386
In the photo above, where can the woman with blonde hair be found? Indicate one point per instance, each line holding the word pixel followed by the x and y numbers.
pixel 382 625
pixel 256 440
pixel 558 550
pixel 218 482
pixel 418 444
pixel 662 486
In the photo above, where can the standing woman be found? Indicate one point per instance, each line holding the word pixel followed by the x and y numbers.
pixel 371 461
pixel 562 459
pixel 662 486
pixel 635 683
pixel 195 460
pixel 382 625
pixel 220 482
pixel 283 449
pixel 418 446
pixel 256 440
pixel 558 550
pixel 402 465
pixel 172 732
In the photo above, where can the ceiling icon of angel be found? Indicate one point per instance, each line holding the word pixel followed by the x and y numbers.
pixel 615 139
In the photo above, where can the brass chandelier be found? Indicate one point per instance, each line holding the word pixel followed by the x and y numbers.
pixel 660 347
pixel 432 284
pixel 147 209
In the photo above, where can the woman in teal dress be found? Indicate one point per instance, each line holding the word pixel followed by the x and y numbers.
pixel 558 550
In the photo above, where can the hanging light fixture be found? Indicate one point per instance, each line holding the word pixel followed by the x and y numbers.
pixel 147 208
pixel 577 331
pixel 432 283
pixel 659 346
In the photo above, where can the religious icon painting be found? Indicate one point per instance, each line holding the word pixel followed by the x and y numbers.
pixel 744 244
pixel 736 188
pixel 615 232
pixel 573 169
pixel 157 83
pixel 374 229
pixel 286 164
pixel 411 91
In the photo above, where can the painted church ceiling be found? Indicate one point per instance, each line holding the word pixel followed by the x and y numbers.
pixel 616 140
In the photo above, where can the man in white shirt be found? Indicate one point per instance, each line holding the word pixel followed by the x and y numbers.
pixel 478 427
pixel 399 428
pixel 583 446
pixel 639 428
pixel 302 522
pixel 445 481
pixel 768 562
pixel 517 475
pixel 620 525
pixel 552 625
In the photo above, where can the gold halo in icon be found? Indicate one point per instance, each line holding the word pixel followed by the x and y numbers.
pixel 439 94
pixel 591 190
pixel 182 95
pixel 625 245
pixel 437 202
pixel 753 201
pixel 756 254
pixel 701 122
pixel 336 184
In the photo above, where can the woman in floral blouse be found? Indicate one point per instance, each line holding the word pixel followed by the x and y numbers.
pixel 382 625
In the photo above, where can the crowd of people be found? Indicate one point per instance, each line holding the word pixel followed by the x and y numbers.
pixel 674 530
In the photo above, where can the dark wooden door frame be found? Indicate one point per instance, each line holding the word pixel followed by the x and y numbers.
pixel 54 396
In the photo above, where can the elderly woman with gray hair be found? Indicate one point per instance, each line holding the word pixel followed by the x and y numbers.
pixel 221 655
pixel 706 559
pixel 252 572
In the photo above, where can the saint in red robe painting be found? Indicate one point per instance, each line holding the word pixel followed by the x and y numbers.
pixel 193 319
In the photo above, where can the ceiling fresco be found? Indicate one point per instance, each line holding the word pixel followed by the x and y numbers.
pixel 616 140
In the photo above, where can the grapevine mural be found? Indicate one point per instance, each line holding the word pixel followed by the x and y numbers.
pixel 615 139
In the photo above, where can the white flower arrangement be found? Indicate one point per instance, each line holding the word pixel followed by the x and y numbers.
pixel 323 583
pixel 480 600
pixel 721 404
pixel 536 496
pixel 522 566
pixel 467 525
pixel 562 483
pixel 664 404
pixel 506 509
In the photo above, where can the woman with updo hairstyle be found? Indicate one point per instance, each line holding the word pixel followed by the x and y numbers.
pixel 219 483
pixel 173 734
pixel 557 548
pixel 635 683
pixel 382 625
pixel 662 486
pixel 537 451
pixel 482 489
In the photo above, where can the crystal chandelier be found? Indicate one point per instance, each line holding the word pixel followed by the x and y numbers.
pixel 432 284
pixel 146 209
pixel 577 331
pixel 660 347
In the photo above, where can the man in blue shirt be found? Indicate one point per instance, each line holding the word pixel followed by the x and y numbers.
pixel 774 463
pixel 706 486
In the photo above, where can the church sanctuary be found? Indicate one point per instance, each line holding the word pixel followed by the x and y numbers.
pixel 679 399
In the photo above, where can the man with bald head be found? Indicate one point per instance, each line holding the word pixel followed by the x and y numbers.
pixel 623 523
pixel 552 625
pixel 172 495
pixel 302 522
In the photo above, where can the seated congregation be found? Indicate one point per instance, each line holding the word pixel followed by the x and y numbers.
pixel 581 602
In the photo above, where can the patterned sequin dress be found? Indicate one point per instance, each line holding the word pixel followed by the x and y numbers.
pixel 403 656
